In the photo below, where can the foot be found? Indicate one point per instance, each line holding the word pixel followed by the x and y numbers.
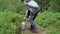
pixel 33 29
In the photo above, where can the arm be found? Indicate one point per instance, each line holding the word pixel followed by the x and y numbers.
pixel 26 13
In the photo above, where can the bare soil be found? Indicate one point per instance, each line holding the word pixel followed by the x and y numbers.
pixel 40 30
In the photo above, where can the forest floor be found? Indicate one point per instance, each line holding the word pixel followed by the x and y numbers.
pixel 40 30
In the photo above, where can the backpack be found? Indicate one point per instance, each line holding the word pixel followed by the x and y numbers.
pixel 34 5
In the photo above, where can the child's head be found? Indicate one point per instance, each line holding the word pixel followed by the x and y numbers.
pixel 26 1
pixel 23 0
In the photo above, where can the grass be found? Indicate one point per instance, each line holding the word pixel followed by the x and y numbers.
pixel 49 20
pixel 9 22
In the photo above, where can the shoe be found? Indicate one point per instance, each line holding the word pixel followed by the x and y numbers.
pixel 33 29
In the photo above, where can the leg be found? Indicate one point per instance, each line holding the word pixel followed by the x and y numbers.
pixel 28 14
pixel 31 20
pixel 35 15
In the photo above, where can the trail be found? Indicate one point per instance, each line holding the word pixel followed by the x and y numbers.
pixel 40 30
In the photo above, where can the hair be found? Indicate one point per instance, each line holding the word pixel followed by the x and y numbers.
pixel 26 1
pixel 22 0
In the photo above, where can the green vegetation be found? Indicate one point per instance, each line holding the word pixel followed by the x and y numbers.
pixel 12 11
pixel 9 22
pixel 49 20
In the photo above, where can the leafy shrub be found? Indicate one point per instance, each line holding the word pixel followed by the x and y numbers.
pixel 47 18
pixel 10 5
pixel 7 25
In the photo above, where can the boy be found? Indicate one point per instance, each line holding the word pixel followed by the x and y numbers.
pixel 32 11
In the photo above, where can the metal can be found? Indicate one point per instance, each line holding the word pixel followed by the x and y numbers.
pixel 23 25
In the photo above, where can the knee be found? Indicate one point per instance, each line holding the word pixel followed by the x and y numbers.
pixel 30 19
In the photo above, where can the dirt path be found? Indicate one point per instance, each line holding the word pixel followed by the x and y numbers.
pixel 40 30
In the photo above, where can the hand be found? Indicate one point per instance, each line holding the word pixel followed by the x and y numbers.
pixel 24 18
pixel 25 15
